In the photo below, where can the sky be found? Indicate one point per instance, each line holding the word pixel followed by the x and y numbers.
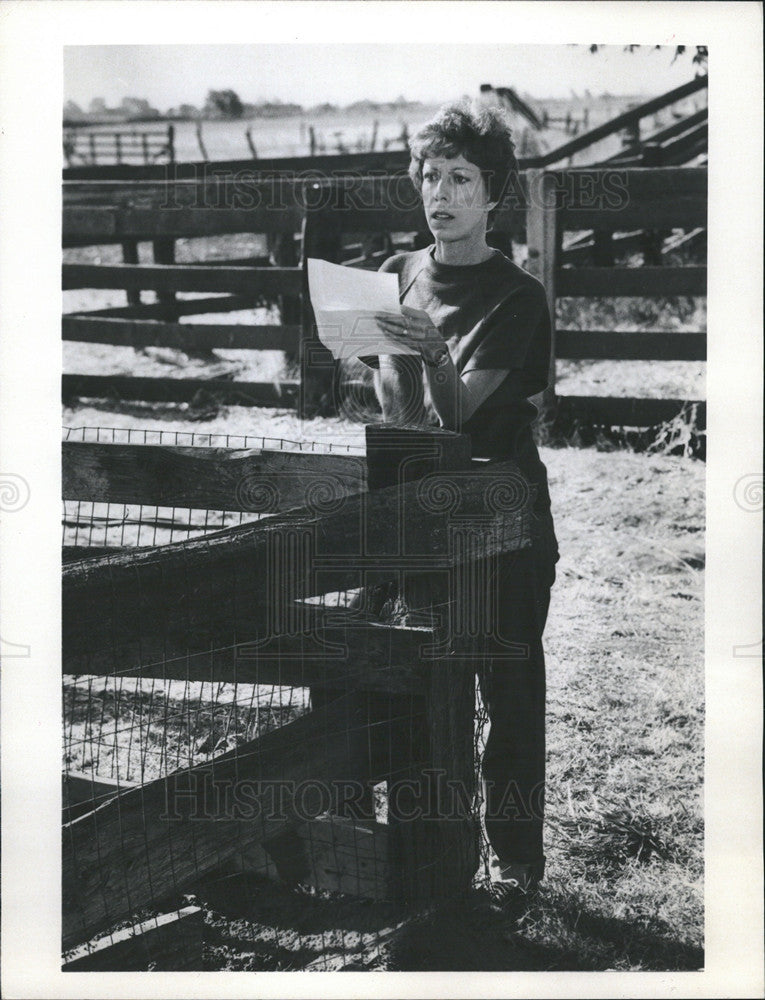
pixel 168 75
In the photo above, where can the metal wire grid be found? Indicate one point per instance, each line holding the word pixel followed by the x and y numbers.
pixel 133 731
pixel 110 525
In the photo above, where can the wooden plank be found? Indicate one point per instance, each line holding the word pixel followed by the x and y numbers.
pixel 626 412
pixel 72 553
pixel 652 282
pixel 629 198
pixel 183 336
pixel 81 792
pixel 163 836
pixel 639 346
pixel 330 164
pixel 197 306
pixel 622 121
pixel 253 480
pixel 339 855
pixel 180 390
pixel 354 655
pixel 663 211
pixel 103 225
pixel 171 942
pixel 182 278
pixel 402 454
pixel 238 585
pixel 668 132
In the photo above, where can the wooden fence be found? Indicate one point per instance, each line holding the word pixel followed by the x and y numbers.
pixel 360 221
pixel 239 606
pixel 633 204
pixel 120 146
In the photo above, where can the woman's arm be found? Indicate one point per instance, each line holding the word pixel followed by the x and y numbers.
pixel 399 381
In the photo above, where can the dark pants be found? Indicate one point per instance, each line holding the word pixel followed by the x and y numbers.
pixel 512 683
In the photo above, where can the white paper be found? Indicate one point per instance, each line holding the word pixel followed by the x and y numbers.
pixel 345 301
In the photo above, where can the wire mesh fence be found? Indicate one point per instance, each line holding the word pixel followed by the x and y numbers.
pixel 229 803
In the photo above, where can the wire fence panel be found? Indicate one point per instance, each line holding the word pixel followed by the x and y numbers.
pixel 233 763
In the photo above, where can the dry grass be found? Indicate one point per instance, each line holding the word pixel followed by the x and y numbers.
pixel 625 723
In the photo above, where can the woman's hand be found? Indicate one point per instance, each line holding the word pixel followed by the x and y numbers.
pixel 413 329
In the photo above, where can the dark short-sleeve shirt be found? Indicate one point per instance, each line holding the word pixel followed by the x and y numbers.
pixel 492 315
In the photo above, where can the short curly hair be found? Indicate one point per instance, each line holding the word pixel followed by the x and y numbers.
pixel 483 137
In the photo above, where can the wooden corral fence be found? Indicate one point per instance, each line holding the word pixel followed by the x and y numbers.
pixel 650 204
pixel 672 145
pixel 119 146
pixel 261 604
pixel 360 221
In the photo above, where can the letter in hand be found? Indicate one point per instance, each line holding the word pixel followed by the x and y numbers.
pixel 414 329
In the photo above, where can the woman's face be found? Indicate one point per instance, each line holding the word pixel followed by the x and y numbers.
pixel 455 198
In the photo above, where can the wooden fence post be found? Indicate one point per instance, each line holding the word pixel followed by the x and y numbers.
pixel 164 253
pixel 542 239
pixel 433 831
pixel 130 256
pixel 322 238
pixel 284 254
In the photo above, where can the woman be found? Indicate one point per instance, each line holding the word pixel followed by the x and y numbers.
pixel 481 329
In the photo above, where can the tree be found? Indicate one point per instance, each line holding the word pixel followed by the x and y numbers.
pixel 224 104
pixel 700 56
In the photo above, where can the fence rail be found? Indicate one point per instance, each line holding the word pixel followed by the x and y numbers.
pixel 619 210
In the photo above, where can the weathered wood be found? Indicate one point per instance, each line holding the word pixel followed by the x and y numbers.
pixel 642 346
pixel 622 121
pixel 171 942
pixel 184 278
pixel 180 390
pixel 543 252
pixel 238 585
pixel 385 162
pixel 400 454
pixel 651 282
pixel 337 854
pixel 163 250
pixel 250 479
pixel 429 808
pixel 323 648
pixel 622 199
pixel 82 792
pixel 130 256
pixel 183 307
pixel 159 838
pixel 72 553
pixel 103 225
pixel 322 239
pixel 626 412
pixel 663 134
pixel 183 336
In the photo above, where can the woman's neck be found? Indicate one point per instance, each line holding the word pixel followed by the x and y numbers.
pixel 469 251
